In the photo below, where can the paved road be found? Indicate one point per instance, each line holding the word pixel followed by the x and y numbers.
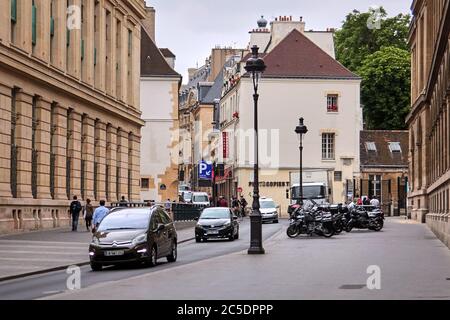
pixel 413 263
pixel 48 284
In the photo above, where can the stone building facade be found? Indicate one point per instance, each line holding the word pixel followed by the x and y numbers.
pixel 429 119
pixel 69 101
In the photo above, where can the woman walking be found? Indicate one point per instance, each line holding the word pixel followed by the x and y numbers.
pixel 88 213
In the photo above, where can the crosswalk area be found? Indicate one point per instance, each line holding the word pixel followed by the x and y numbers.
pixel 24 256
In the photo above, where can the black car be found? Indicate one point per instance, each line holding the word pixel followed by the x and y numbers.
pixel 133 235
pixel 217 223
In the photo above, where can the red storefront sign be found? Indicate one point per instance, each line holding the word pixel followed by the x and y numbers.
pixel 225 144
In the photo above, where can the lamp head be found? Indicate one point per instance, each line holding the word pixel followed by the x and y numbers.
pixel 255 64
pixel 301 128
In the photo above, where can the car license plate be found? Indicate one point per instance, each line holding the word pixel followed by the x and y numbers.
pixel 213 231
pixel 114 253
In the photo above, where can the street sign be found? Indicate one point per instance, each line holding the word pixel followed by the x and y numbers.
pixel 205 170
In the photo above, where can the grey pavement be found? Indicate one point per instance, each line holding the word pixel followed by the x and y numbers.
pixel 42 250
pixel 414 264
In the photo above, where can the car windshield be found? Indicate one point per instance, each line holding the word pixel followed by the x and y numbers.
pixel 267 204
pixel 187 196
pixel 125 219
pixel 216 213
pixel 314 192
pixel 200 198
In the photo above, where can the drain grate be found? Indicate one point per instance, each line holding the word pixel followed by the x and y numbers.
pixel 352 286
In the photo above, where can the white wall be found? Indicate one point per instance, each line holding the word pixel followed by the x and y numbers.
pixel 324 40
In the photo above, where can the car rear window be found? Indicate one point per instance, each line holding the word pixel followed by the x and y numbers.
pixel 200 198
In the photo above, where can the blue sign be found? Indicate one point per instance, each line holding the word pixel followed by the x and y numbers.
pixel 205 170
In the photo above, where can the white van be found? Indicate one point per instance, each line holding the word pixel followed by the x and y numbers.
pixel 200 198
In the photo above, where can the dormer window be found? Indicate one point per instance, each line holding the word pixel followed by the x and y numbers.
pixel 371 146
pixel 395 147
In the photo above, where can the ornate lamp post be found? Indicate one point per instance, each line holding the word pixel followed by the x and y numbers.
pixel 301 130
pixel 255 66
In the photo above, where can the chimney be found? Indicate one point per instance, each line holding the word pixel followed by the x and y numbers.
pixel 149 22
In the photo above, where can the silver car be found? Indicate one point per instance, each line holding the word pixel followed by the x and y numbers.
pixel 269 210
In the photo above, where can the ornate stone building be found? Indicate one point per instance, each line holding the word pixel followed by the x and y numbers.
pixel 429 119
pixel 69 101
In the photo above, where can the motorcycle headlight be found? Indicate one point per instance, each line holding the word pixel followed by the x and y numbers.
pixel 140 239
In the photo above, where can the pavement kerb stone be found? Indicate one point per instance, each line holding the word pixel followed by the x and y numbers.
pixel 100 285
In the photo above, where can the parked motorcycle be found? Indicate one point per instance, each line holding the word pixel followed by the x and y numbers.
pixel 309 220
pixel 364 217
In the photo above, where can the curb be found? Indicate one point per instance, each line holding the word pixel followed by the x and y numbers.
pixel 80 264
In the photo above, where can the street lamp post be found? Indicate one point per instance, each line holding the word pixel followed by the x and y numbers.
pixel 301 130
pixel 255 66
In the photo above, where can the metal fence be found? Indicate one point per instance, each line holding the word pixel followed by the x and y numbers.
pixel 178 211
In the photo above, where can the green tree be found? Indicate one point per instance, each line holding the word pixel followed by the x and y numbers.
pixel 385 89
pixel 366 33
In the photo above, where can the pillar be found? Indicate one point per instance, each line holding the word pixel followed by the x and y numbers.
pixel 42 47
pixel 59 149
pixel 135 167
pixel 88 156
pixel 75 153
pixel 43 110
pixel 5 15
pixel 100 154
pixel 5 141
pixel 122 162
pixel 111 156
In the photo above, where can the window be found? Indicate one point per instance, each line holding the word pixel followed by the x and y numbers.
pixel 33 23
pixel 395 147
pixel 338 176
pixel 14 19
pixel 374 185
pixel 145 183
pixel 370 146
pixel 332 103
pixel 328 146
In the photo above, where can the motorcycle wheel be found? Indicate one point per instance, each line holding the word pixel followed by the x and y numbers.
pixel 348 228
pixel 379 226
pixel 292 231
pixel 327 232
pixel 338 227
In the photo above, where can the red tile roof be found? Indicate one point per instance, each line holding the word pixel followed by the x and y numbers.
pixel 297 56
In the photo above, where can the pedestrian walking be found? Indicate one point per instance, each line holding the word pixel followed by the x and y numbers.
pixel 168 205
pixel 88 214
pixel 243 205
pixel 99 214
pixel 75 209
pixel 235 205
pixel 222 202
pixel 123 202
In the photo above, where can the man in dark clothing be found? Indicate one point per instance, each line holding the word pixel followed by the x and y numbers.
pixel 366 201
pixel 222 202
pixel 123 202
pixel 88 214
pixel 75 209
pixel 243 205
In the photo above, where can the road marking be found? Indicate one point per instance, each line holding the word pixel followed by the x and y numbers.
pixel 38 246
pixel 52 292
pixel 36 259
pixel 44 242
pixel 42 252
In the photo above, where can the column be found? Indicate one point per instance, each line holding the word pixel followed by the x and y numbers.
pixel 136 66
pixel 59 39
pixel 100 154
pixel 135 146
pixel 100 46
pixel 111 156
pixel 43 110
pixel 74 54
pixel 23 25
pixel 122 162
pixel 75 153
pixel 5 15
pixel 59 149
pixel 5 141
pixel 88 157
pixel 42 48
pixel 88 37
pixel 23 140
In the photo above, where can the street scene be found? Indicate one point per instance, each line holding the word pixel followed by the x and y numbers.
pixel 168 150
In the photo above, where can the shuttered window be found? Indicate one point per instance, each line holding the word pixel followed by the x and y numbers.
pixel 14 11
pixel 33 24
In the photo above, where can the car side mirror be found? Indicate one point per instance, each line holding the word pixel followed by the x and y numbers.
pixel 235 217
pixel 160 227
pixel 196 218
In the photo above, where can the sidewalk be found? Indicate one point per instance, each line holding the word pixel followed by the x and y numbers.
pixel 37 252
pixel 413 264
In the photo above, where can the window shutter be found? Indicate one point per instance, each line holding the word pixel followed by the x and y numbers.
pixel 33 25
pixel 14 11
pixel 52 26
pixel 68 37
pixel 82 49
pixel 95 56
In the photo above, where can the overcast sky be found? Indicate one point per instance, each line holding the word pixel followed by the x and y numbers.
pixel 191 28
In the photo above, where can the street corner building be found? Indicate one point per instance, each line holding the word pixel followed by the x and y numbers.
pixel 302 79
pixel 160 86
pixel 429 119
pixel 384 169
pixel 70 109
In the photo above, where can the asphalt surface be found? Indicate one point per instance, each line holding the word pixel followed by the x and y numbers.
pixel 44 285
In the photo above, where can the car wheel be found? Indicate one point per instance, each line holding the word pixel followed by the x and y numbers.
pixel 197 239
pixel 172 257
pixel 153 257
pixel 96 266
pixel 205 239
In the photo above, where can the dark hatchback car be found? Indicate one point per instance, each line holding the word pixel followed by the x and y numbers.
pixel 217 223
pixel 141 235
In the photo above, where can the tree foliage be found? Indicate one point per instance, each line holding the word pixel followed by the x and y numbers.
pixel 385 90
pixel 377 50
